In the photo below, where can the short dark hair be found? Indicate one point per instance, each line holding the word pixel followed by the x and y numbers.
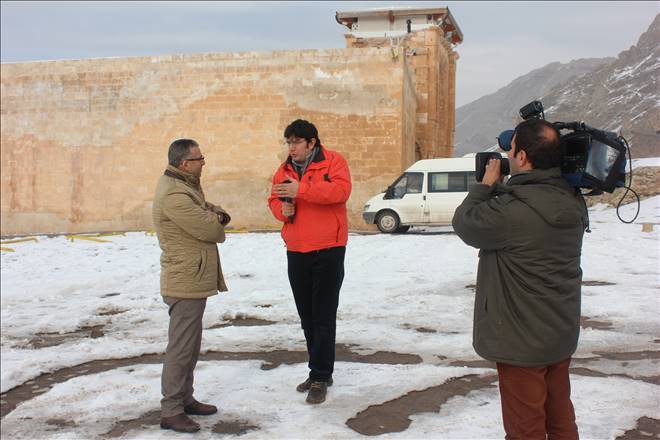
pixel 540 140
pixel 304 130
pixel 179 150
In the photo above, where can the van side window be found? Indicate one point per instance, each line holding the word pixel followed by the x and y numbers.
pixel 448 182
pixel 414 185
pixel 399 188
pixel 471 180
pixel 408 183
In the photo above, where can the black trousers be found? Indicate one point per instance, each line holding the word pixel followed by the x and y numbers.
pixel 316 279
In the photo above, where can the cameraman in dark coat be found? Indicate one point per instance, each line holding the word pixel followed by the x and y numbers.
pixel 527 305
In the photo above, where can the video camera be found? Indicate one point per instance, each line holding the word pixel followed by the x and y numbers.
pixel 591 158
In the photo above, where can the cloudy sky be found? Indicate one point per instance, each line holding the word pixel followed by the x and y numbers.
pixel 502 40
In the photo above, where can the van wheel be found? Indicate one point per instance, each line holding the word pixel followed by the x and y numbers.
pixel 402 229
pixel 387 222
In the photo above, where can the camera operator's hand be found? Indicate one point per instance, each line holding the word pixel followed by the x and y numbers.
pixel 287 189
pixel 288 209
pixel 492 173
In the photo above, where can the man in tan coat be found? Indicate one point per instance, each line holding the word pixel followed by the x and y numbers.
pixel 188 228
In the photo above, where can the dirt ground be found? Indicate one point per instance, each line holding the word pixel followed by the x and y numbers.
pixel 391 416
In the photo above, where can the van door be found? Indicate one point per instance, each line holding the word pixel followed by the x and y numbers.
pixel 405 197
pixel 445 191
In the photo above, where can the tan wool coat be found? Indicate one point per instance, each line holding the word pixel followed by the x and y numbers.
pixel 188 228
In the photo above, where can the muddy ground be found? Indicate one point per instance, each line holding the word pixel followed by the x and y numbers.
pixel 386 417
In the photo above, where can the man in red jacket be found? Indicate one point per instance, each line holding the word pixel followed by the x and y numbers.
pixel 309 195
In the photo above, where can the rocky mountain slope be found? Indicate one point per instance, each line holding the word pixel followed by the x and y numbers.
pixel 621 94
pixel 479 122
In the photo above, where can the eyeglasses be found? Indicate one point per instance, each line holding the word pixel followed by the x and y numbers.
pixel 295 142
pixel 195 158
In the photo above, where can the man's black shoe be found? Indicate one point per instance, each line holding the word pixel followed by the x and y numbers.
pixel 301 388
pixel 317 392
pixel 200 409
pixel 179 423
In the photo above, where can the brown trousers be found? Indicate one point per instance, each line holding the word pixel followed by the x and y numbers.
pixel 184 342
pixel 536 402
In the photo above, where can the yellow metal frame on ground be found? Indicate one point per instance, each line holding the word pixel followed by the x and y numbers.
pixel 96 237
pixel 16 240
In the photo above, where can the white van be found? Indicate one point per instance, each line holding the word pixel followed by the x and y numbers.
pixel 426 194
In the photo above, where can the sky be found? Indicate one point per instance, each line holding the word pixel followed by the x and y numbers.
pixel 502 40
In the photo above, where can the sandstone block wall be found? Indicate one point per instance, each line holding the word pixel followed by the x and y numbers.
pixel 83 142
pixel 432 61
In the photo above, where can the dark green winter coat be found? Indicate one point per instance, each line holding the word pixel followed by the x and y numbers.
pixel 529 232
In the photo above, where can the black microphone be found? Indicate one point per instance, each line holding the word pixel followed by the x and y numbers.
pixel 288 200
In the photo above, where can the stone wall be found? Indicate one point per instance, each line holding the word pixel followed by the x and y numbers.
pixel 645 182
pixel 432 60
pixel 409 117
pixel 83 142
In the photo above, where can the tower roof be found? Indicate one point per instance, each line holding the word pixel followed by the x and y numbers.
pixel 394 19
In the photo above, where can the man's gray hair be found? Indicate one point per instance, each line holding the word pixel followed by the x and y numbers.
pixel 179 150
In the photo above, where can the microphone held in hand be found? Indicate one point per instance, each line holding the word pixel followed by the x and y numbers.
pixel 288 200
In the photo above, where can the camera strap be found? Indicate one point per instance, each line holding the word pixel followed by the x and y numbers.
pixel 585 216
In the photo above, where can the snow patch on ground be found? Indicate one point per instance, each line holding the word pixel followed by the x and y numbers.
pixel 411 293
